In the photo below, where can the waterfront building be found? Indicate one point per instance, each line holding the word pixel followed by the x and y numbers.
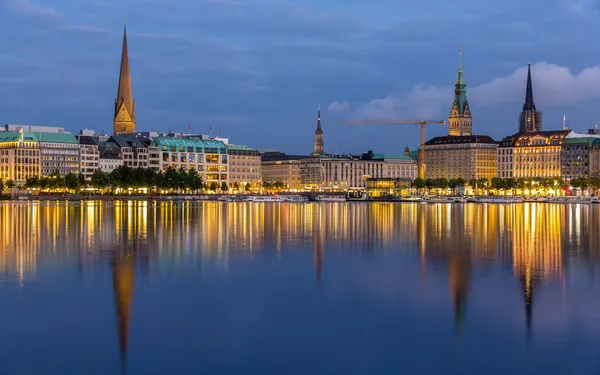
pixel 530 119
pixel 131 150
pixel 536 154
pixel 387 187
pixel 279 167
pixel 89 156
pixel 108 163
pixel 59 153
pixel 350 172
pixel 124 115
pixel 244 166
pixel 580 156
pixel 19 156
pixel 505 157
pixel 460 122
pixel 465 157
pixel 319 147
pixel 209 158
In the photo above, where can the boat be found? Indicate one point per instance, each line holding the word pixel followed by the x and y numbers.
pixel 460 200
pixel 595 200
pixel 264 198
pixel 438 200
pixel 500 200
pixel 331 198
pixel 295 198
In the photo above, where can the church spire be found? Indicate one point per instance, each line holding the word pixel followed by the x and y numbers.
pixel 530 119
pixel 124 120
pixel 459 121
pixel 318 146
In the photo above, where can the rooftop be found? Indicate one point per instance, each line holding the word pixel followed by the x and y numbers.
pixel 16 136
pixel 448 140
pixel 390 156
pixel 239 147
pixel 186 142
pixel 57 138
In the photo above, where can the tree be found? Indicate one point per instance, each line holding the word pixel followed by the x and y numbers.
pixel 10 184
pixel 429 183
pixel 267 185
pixel 510 184
pixel 1 186
pixel 248 187
pixel 32 182
pixel 497 183
pixel 100 180
pixel 72 182
pixel 595 183
pixel 278 185
pixel 452 184
pixel 473 183
pixel 460 182
pixel 213 186
pixel 236 186
pixel 584 183
pixel 224 187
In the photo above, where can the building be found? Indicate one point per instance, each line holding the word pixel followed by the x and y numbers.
pixel 89 156
pixel 537 154
pixel 279 167
pixel 460 122
pixel 108 163
pixel 209 158
pixel 19 156
pixel 131 150
pixel 465 157
pixel 580 156
pixel 349 172
pixel 319 147
pixel 244 166
pixel 124 117
pixel 388 187
pixel 505 157
pixel 530 119
pixel 33 128
pixel 59 153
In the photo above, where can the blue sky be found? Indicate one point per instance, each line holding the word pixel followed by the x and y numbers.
pixel 257 70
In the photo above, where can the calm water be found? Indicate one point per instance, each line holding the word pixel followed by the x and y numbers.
pixel 276 288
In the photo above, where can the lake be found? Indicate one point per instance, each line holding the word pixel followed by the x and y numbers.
pixel 299 288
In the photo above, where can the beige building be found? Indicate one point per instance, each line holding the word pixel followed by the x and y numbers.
pixel 463 157
pixel 347 172
pixel 59 152
pixel 244 166
pixel 89 156
pixel 131 150
pixel 208 157
pixel 531 154
pixel 19 156
pixel 277 166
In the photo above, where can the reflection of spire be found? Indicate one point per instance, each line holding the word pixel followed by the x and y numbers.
pixel 318 256
pixel 459 275
pixel 528 285
pixel 123 283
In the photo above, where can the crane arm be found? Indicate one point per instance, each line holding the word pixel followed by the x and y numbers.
pixel 394 122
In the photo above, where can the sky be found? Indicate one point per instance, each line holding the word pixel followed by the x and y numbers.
pixel 256 71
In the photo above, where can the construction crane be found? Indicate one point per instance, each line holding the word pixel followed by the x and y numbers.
pixel 423 123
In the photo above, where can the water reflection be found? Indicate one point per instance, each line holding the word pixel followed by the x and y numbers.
pixel 535 242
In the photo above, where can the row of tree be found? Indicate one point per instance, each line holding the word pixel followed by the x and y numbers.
pixel 504 184
pixel 126 178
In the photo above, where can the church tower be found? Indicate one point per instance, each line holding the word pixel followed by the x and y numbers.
pixel 460 121
pixel 318 148
pixel 124 120
pixel 530 119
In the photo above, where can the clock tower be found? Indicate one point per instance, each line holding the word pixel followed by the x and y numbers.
pixel 124 117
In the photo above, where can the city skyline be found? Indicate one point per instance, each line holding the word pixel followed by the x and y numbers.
pixel 222 79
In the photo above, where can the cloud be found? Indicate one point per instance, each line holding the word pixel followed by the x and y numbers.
pixel 553 85
pixel 28 8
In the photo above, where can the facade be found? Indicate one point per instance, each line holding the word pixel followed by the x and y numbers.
pixel 89 156
pixel 538 154
pixel 530 119
pixel 277 166
pixel 388 187
pixel 505 157
pixel 348 172
pixel 460 122
pixel 580 156
pixel 108 164
pixel 131 150
pixel 59 152
pixel 209 158
pixel 319 147
pixel 463 157
pixel 33 128
pixel 124 116
pixel 19 156
pixel 244 166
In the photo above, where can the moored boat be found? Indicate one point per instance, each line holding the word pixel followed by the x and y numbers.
pixel 264 198
pixel 295 198
pixel 331 198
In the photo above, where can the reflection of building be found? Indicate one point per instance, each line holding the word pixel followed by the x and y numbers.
pixel 460 122
pixel 388 187
pixel 277 166
pixel 530 119
pixel 123 285
pixel 124 119
pixel 464 157
pixel 459 279
pixel 244 166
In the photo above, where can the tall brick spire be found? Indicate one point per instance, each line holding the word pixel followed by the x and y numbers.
pixel 530 119
pixel 318 146
pixel 460 121
pixel 124 120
